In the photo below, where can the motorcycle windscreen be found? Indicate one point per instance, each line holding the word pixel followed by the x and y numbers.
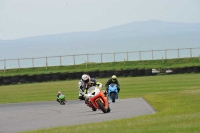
pixel 91 90
pixel 61 96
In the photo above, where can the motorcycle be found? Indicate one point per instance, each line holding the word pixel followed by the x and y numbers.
pixel 96 99
pixel 61 99
pixel 112 92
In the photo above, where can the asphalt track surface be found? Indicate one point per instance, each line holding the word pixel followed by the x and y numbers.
pixel 18 117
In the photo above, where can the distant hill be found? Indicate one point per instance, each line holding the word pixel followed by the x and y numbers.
pixel 144 35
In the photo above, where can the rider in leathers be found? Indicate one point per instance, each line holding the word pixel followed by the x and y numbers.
pixel 114 80
pixel 85 83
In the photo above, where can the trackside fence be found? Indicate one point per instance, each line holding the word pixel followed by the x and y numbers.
pixel 66 60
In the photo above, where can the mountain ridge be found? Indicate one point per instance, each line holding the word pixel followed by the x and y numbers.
pixel 150 23
pixel 141 35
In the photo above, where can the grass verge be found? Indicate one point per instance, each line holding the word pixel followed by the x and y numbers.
pixel 174 97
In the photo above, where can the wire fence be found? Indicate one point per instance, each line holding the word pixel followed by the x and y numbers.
pixel 67 60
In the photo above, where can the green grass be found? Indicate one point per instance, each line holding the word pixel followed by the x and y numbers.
pixel 174 97
pixel 163 64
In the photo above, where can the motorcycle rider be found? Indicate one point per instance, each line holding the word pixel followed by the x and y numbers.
pixel 85 83
pixel 113 80
pixel 58 95
pixel 94 82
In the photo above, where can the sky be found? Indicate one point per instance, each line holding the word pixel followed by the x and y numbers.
pixel 27 18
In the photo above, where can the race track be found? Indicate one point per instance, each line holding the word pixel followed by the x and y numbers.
pixel 29 116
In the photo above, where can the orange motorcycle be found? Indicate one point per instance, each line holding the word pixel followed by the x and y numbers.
pixel 96 99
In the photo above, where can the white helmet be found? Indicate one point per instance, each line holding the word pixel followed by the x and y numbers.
pixel 85 78
pixel 59 92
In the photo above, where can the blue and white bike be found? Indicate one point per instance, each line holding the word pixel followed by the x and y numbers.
pixel 112 92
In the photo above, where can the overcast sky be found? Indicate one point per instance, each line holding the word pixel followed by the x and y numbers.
pixel 25 18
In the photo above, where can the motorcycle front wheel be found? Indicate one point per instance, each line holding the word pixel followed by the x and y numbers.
pixel 93 108
pixel 101 106
pixel 62 102
pixel 113 95
pixel 108 110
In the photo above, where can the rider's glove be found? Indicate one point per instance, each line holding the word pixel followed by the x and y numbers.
pixel 118 89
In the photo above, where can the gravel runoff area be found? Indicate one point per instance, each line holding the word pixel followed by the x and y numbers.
pixel 17 117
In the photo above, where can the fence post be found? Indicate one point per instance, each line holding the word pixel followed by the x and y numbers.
pixel 87 58
pixel 190 52
pixel 74 59
pixel 165 53
pixel 127 56
pixel 114 57
pixel 60 60
pixel 33 62
pixel 86 64
pixel 18 63
pixel 4 65
pixel 152 55
pixel 4 69
pixel 140 54
pixel 178 53
pixel 101 57
pixel 46 63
